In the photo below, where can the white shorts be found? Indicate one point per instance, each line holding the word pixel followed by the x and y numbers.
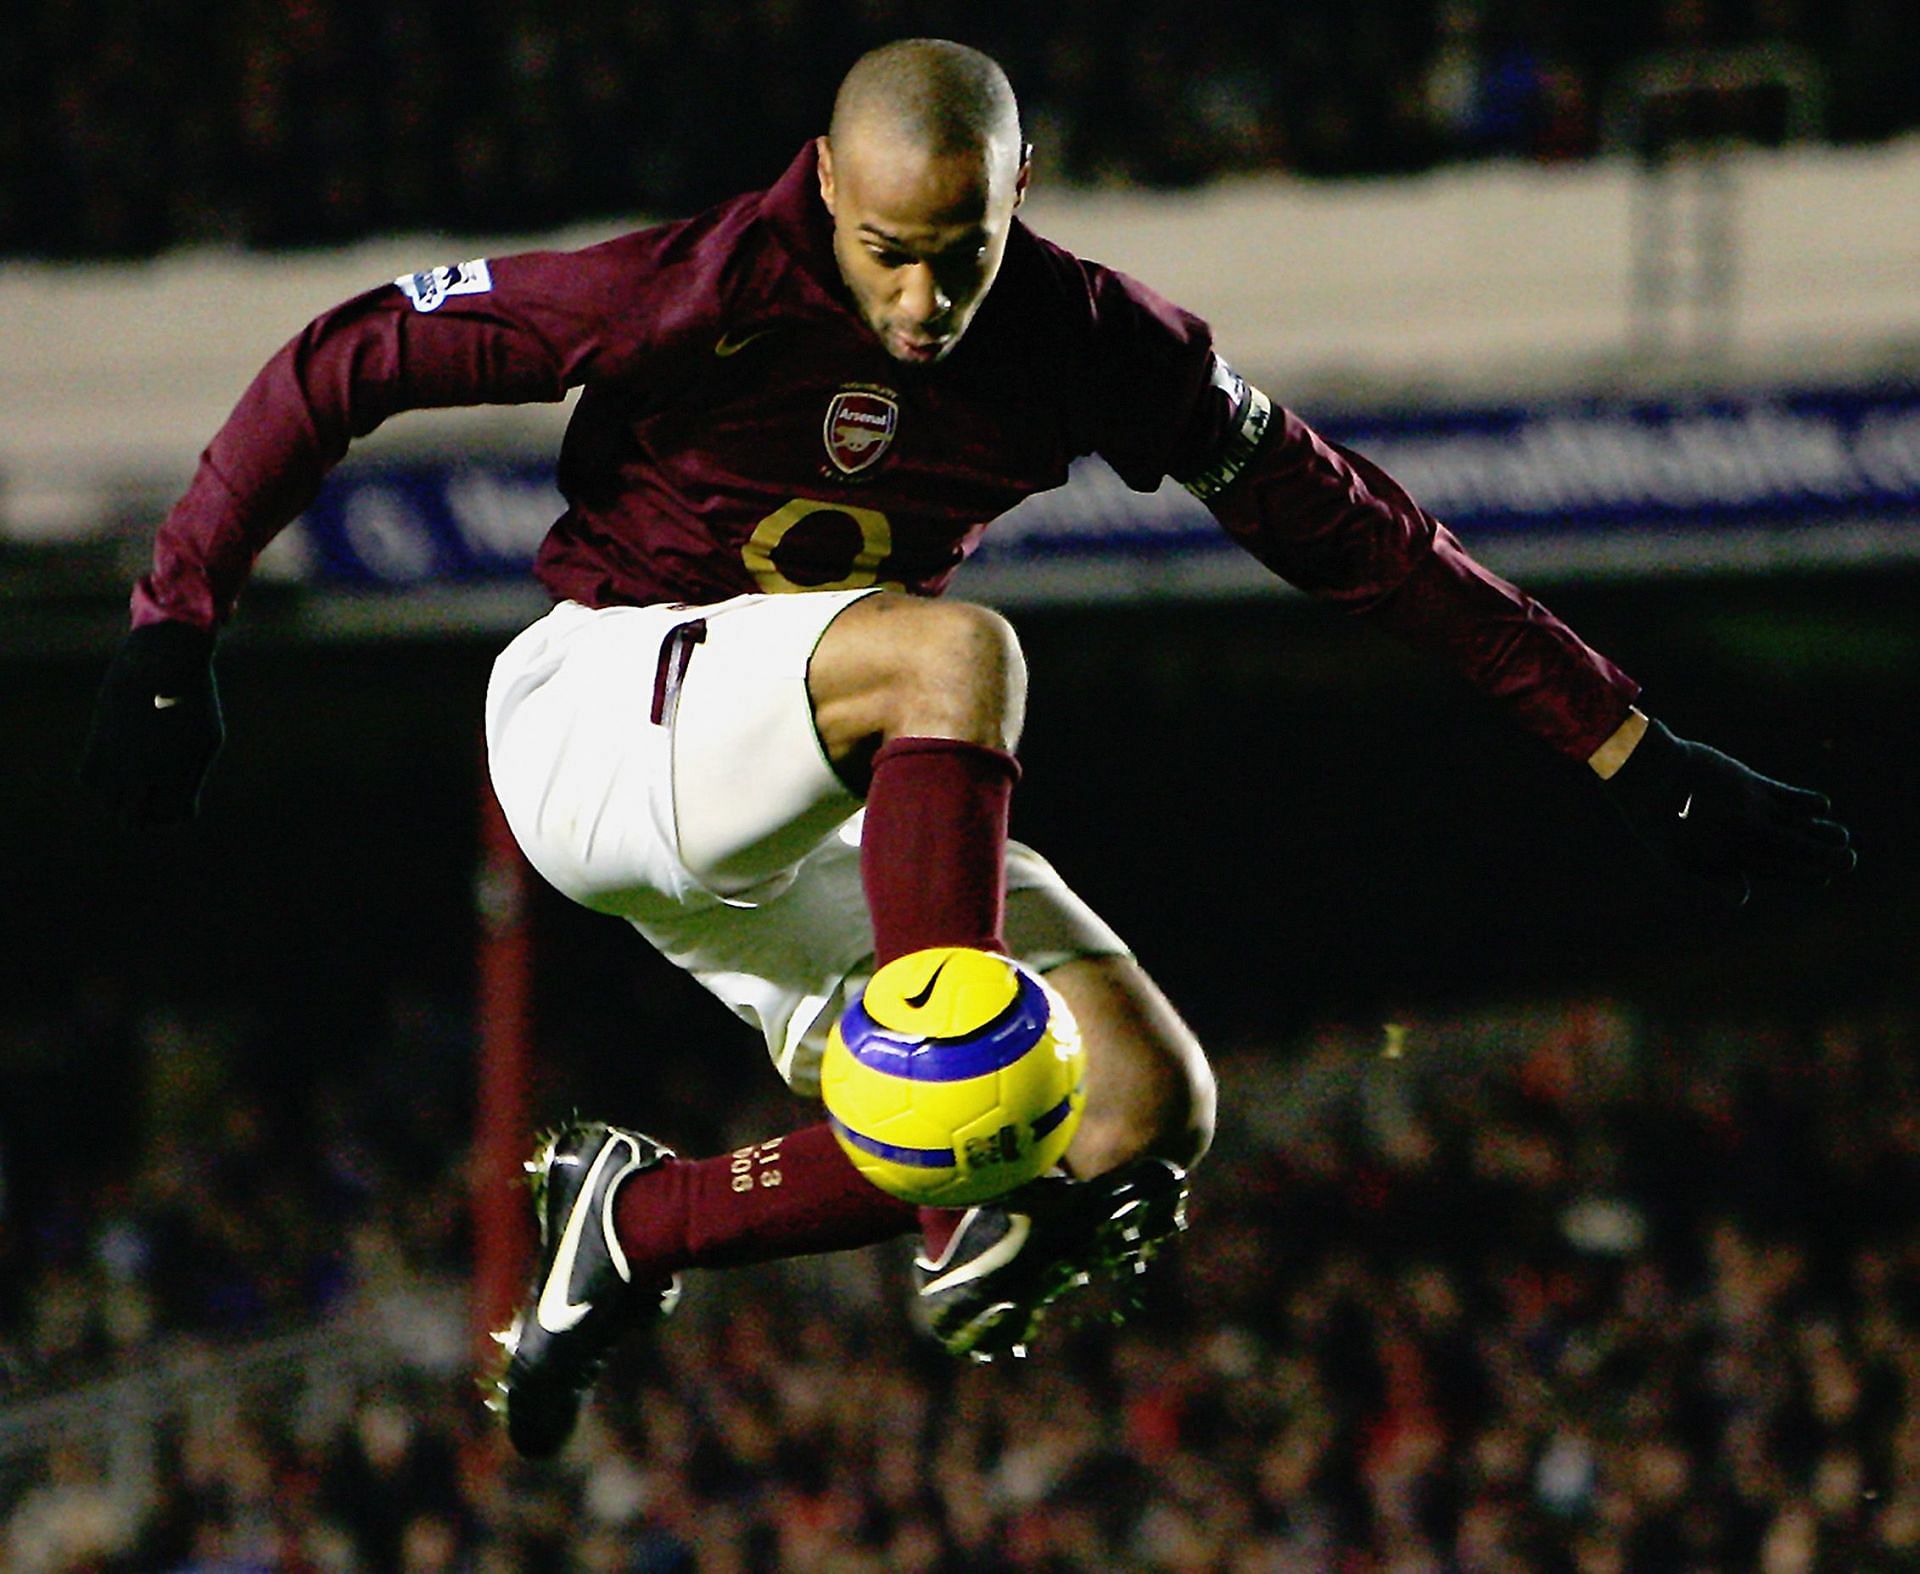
pixel 661 764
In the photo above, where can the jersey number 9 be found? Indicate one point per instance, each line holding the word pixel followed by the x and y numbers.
pixel 876 541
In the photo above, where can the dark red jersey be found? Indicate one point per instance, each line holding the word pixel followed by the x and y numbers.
pixel 740 428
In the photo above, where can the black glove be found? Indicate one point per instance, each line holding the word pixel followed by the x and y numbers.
pixel 156 726
pixel 1712 816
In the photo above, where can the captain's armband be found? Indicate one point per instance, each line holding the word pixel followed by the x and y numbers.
pixel 1252 413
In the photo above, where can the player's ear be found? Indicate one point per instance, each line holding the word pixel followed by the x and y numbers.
pixel 824 149
pixel 1023 174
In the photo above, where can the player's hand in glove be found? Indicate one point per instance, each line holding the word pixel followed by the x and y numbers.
pixel 156 726
pixel 1729 825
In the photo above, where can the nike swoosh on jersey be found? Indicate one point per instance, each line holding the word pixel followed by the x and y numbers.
pixel 556 1310
pixel 727 345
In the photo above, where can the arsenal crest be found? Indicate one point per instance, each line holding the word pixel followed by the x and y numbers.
pixel 859 427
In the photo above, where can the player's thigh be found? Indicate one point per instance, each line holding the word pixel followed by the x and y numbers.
pixel 897 665
pixel 754 790
pixel 647 756
pixel 1149 1087
pixel 579 755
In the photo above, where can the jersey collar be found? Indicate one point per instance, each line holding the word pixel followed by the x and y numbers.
pixel 792 210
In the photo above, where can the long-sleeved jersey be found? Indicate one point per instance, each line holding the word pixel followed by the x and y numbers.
pixel 740 428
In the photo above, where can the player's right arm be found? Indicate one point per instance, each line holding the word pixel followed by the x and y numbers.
pixel 478 333
pixel 516 331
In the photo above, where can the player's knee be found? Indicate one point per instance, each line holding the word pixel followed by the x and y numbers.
pixel 1165 1109
pixel 1149 1087
pixel 962 675
pixel 1175 1117
pixel 904 666
pixel 1191 1134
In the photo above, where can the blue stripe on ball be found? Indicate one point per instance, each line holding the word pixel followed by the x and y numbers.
pixel 996 1046
pixel 1053 1117
pixel 920 1158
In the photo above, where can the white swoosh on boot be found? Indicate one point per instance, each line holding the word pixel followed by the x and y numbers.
pixel 556 1311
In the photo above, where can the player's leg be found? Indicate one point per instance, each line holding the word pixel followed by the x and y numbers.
pixel 705 809
pixel 919 705
pixel 915 705
pixel 893 666
pixel 1150 1090
pixel 1148 1118
pixel 647 757
pixel 1149 1087
pixel 612 736
pixel 914 701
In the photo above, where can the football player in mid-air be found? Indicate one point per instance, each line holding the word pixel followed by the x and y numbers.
pixel 751 727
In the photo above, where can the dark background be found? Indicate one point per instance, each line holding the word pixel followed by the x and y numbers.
pixel 128 128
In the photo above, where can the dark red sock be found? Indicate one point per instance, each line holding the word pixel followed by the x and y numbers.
pixel 933 858
pixel 933 855
pixel 788 1197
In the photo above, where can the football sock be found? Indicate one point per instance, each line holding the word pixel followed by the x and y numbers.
pixel 790 1196
pixel 933 858
pixel 933 855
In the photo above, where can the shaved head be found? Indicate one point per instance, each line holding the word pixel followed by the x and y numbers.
pixel 922 167
pixel 939 97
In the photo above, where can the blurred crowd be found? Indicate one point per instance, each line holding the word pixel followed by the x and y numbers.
pixel 1557 1288
pixel 127 128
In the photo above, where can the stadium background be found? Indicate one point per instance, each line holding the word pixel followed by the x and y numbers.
pixel 1557 1222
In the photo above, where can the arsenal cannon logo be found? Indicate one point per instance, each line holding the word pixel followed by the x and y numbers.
pixel 859 427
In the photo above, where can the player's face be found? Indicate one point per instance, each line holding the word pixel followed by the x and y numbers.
pixel 919 236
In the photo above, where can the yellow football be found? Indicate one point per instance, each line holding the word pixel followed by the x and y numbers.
pixel 956 1076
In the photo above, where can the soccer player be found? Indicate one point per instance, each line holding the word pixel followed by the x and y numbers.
pixel 749 725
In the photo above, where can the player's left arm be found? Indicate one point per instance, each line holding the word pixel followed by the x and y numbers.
pixel 1335 524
